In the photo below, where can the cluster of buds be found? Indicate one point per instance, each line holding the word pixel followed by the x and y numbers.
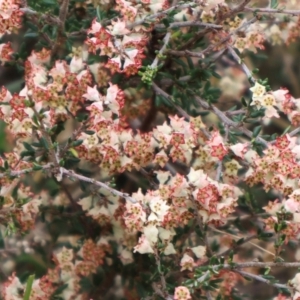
pixel 148 74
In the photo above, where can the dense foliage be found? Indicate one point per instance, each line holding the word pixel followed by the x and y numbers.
pixel 126 171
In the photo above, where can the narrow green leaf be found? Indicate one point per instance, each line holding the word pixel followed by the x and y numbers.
pixel 26 153
pixel 243 100
pixel 179 62
pixel 190 62
pixel 44 143
pixel 266 234
pixel 267 271
pixel 274 3
pixel 28 147
pixel 59 290
pixel 286 130
pixel 77 143
pixel 269 277
pixel 36 167
pixel 216 75
pixel 166 22
pixel 240 241
pixel 49 2
pixel 158 101
pixel 31 35
pixel 256 131
pixel 213 260
pixel 98 12
pixel 89 132
pixel 54 32
pixel 28 287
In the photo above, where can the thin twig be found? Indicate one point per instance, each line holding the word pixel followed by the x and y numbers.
pixel 208 295
pixel 219 171
pixel 162 277
pixel 294 132
pixel 51 20
pixel 161 14
pixel 254 264
pixel 273 11
pixel 236 10
pixel 222 116
pixel 159 91
pixel 235 112
pixel 243 65
pixel 190 24
pixel 246 240
pixel 162 50
pixel 145 173
pixel 12 173
pixel 202 53
pixel 71 174
pixel 259 278
pixel 63 12
pixel 54 156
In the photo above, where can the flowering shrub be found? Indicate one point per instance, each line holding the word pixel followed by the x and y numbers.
pixel 126 92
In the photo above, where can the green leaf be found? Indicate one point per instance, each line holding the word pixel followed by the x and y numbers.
pixel 160 100
pixel 213 260
pixel 89 132
pixel 216 75
pixel 286 130
pixel 26 153
pixel 37 167
pixel 54 32
pixel 31 35
pixel 269 277
pixel 243 100
pixel 231 253
pixel 32 27
pixel 247 278
pixel 50 2
pixel 1 241
pixel 98 12
pixel 59 290
pixel 44 143
pixel 28 147
pixel 68 45
pixel 180 62
pixel 77 143
pixel 28 287
pixel 86 284
pixel 71 160
pixel 190 62
pixel 166 22
pixel 256 131
pixel 199 231
pixel 266 234
pixel 240 241
pixel 207 86
pixel 274 3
